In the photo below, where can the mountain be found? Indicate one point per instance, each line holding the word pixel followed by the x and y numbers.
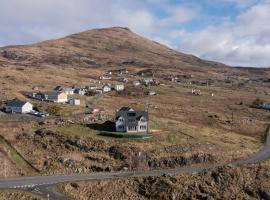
pixel 100 47
pixel 107 48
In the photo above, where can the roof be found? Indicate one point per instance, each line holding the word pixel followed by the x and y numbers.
pixel 52 93
pixel 59 88
pixel 132 120
pixel 15 103
pixel 126 109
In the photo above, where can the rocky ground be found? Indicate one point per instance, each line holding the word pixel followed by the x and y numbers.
pixel 17 195
pixel 63 154
pixel 243 182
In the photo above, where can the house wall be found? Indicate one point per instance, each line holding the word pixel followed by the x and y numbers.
pixel 27 108
pixel 119 87
pixel 24 109
pixel 11 109
pixel 120 125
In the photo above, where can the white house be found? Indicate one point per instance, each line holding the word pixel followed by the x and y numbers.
pixel 119 87
pixel 55 96
pixel 106 88
pixel 80 91
pixel 99 90
pixel 68 91
pixel 75 102
pixel 130 121
pixel 17 106
pixel 136 83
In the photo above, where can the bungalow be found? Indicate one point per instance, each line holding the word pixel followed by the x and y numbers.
pixel 106 88
pixel 152 93
pixel 266 106
pixel 130 121
pixel 80 91
pixel 105 78
pixel 17 106
pixel 99 90
pixel 124 80
pixel 119 87
pixel 92 87
pixel 196 92
pixel 68 91
pixel 148 81
pixel 75 102
pixel 55 96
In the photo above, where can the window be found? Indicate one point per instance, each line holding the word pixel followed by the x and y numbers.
pixel 143 127
pixel 132 128
pixel 131 114
pixel 121 127
pixel 131 120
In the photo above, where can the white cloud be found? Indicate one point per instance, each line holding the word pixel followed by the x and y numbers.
pixel 32 20
pixel 244 42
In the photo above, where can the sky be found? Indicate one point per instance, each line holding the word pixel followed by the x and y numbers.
pixel 235 32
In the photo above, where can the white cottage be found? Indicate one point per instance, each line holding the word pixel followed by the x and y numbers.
pixel 17 106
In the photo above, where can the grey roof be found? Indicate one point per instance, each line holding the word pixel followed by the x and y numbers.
pixel 53 93
pixel 15 103
pixel 131 120
pixel 125 109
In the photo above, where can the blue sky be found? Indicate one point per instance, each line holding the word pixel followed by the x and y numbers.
pixel 231 31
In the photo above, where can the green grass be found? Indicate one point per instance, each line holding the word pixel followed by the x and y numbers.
pixel 20 162
pixel 126 135
pixel 77 130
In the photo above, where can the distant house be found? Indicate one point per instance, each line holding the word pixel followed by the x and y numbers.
pixel 106 88
pixel 17 106
pixel 75 102
pixel 99 91
pixel 130 121
pixel 80 91
pixel 68 91
pixel 266 106
pixel 124 80
pixel 148 81
pixel 152 93
pixel 136 83
pixel 196 92
pixel 55 96
pixel 92 87
pixel 119 87
pixel 105 78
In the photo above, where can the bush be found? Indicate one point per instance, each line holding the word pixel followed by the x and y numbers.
pixel 54 110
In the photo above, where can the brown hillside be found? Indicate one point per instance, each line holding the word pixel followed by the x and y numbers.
pixel 100 48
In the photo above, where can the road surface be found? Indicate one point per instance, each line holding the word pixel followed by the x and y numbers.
pixel 45 184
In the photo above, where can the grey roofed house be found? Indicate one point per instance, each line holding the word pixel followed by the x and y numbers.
pixel 131 121
pixel 17 106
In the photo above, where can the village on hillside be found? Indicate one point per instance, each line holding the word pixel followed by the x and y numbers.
pixel 118 82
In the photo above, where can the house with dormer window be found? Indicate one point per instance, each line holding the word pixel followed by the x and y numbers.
pixel 131 121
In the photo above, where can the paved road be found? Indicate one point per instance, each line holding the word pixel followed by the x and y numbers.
pixel 44 184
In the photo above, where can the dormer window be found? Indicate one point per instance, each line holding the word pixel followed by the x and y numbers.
pixel 143 119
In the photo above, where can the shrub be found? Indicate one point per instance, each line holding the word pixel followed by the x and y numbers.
pixel 53 110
